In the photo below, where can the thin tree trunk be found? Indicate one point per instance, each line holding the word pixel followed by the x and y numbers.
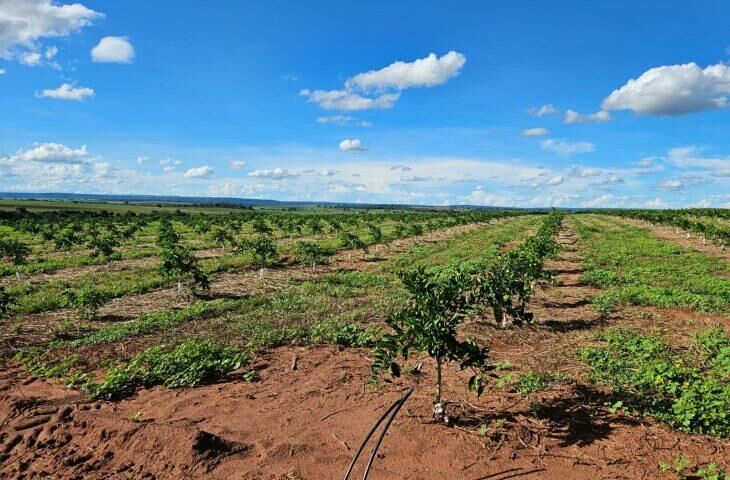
pixel 438 407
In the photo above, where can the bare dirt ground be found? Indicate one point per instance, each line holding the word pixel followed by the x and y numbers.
pixel 306 423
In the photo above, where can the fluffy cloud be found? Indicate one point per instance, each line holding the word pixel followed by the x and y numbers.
pixel 24 22
pixel 382 88
pixel 142 160
pixel 671 185
pixel 722 173
pixel 237 164
pixel 51 153
pixel 571 116
pixel 346 100
pixel 548 109
pixel 692 157
pixel 67 92
pixel 564 147
pixel 2 71
pixel 582 172
pixel 199 172
pixel 656 203
pixel 424 72
pixel 606 200
pixel 535 132
pixel 612 180
pixel 555 181
pixel 354 145
pixel 343 120
pixel 327 172
pixel 30 59
pixel 402 168
pixel 113 50
pixel 673 90
pixel 273 174
pixel 646 162
pixel 416 178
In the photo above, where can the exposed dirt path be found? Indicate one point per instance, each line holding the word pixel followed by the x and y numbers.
pixel 562 311
pixel 306 424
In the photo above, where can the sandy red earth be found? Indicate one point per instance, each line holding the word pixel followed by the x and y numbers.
pixel 306 422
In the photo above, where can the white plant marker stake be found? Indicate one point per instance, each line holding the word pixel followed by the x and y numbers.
pixel 17 275
pixel 179 288
pixel 704 242
pixel 687 234
pixel 349 256
pixel 313 265
pixel 261 274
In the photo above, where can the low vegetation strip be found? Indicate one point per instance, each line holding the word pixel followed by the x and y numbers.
pixel 687 389
pixel 636 268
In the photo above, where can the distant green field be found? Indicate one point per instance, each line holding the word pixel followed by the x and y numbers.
pixel 115 207
pixel 150 207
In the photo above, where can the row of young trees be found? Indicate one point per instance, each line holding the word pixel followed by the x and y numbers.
pixel 441 298
pixel 707 223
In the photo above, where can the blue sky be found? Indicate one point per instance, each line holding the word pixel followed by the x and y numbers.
pixel 511 103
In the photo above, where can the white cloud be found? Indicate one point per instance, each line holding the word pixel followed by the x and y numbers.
pixel 168 169
pixel 51 52
pixel 548 109
pixel 583 172
pixel 24 22
pixel 338 119
pixel 555 181
pixel 564 147
pixel 67 92
pixel 273 174
pixel 382 88
pixel 692 157
pixel 402 168
pixel 416 178
pixel 346 100
pixel 354 145
pixel 2 71
pixel 571 116
pixel 51 153
pixel 722 173
pixel 344 120
pixel 199 172
pixel 329 172
pixel 237 164
pixel 424 72
pixel 671 185
pixel 142 160
pixel 30 59
pixel 113 50
pixel 534 132
pixel 673 90
pixel 606 200
pixel 612 180
pixel 656 203
pixel 646 162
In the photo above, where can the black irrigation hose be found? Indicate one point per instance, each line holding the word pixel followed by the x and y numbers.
pixel 394 409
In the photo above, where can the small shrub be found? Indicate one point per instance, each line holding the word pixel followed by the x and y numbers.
pixel 650 377
pixel 189 364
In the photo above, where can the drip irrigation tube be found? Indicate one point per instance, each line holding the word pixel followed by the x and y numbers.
pixel 392 411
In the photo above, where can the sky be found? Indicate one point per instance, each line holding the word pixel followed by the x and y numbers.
pixel 521 103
